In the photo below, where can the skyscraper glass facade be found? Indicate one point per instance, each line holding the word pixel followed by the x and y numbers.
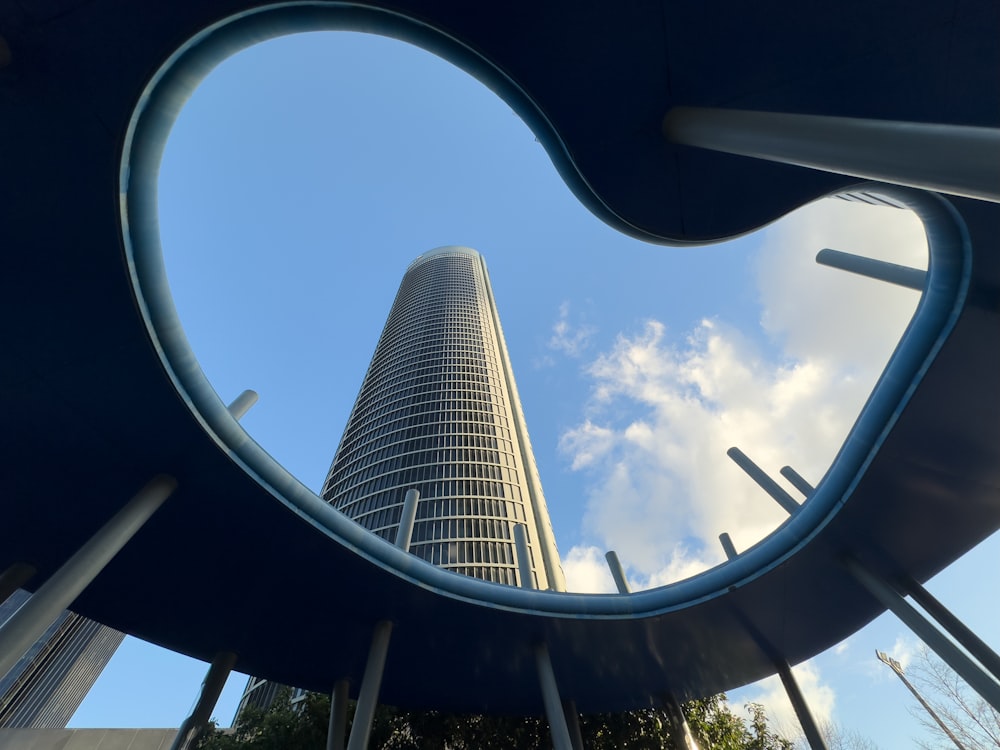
pixel 439 412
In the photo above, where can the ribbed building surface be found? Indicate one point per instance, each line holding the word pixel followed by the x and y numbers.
pixel 439 412
pixel 50 681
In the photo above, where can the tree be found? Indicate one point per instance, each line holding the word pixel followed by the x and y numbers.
pixel 304 727
pixel 971 719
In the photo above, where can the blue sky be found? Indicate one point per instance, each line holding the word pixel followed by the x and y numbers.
pixel 306 173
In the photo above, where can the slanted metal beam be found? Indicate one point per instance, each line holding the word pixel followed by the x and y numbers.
pixel 29 622
pixel 809 726
pixel 617 572
pixel 954 159
pixel 977 678
pixel 880 270
pixel 765 482
pixel 211 689
pixel 371 683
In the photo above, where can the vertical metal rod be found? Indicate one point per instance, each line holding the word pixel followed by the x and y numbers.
pixel 955 159
pixel 765 482
pixel 242 403
pixel 809 727
pixel 880 270
pixel 371 683
pixel 573 724
pixel 13 578
pixel 338 716
pixel 550 698
pixel 957 629
pixel 523 558
pixel 977 678
pixel 617 572
pixel 680 733
pixel 727 546
pixel 406 520
pixel 27 624
pixel 796 480
pixel 211 689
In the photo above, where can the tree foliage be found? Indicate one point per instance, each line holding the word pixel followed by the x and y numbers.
pixel 304 726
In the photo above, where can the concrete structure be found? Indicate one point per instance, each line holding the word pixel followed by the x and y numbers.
pixel 86 739
pixel 674 122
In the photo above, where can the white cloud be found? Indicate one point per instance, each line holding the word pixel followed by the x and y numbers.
pixel 665 408
pixel 568 338
pixel 586 571
pixel 904 650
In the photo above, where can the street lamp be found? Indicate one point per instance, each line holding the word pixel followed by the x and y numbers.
pixel 896 667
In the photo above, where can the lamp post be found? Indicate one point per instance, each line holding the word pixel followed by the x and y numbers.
pixel 896 667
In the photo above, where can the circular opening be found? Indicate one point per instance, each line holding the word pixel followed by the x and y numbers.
pixel 636 368
pixel 306 172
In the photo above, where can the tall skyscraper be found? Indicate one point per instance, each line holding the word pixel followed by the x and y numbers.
pixel 439 412
pixel 50 681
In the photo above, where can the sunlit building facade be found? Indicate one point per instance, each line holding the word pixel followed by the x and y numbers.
pixel 439 412
pixel 50 681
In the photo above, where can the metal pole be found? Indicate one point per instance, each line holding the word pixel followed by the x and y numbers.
pixel 727 546
pixel 523 557
pixel 954 159
pixel 765 482
pixel 617 572
pixel 896 667
pixel 680 733
pixel 364 712
pixel 968 670
pixel 957 629
pixel 809 726
pixel 796 480
pixel 573 724
pixel 211 689
pixel 880 270
pixel 27 624
pixel 13 578
pixel 338 716
pixel 241 405
pixel 550 698
pixel 407 518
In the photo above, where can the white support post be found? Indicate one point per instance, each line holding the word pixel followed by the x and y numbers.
pixel 27 624
pixel 880 270
pixel 550 698
pixel 763 481
pixel 371 683
pixel 338 716
pixel 680 733
pixel 797 481
pixel 242 403
pixel 523 556
pixel 407 518
pixel 798 701
pixel 573 724
pixel 617 572
pixel 953 159
pixel 211 688
pixel 727 546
